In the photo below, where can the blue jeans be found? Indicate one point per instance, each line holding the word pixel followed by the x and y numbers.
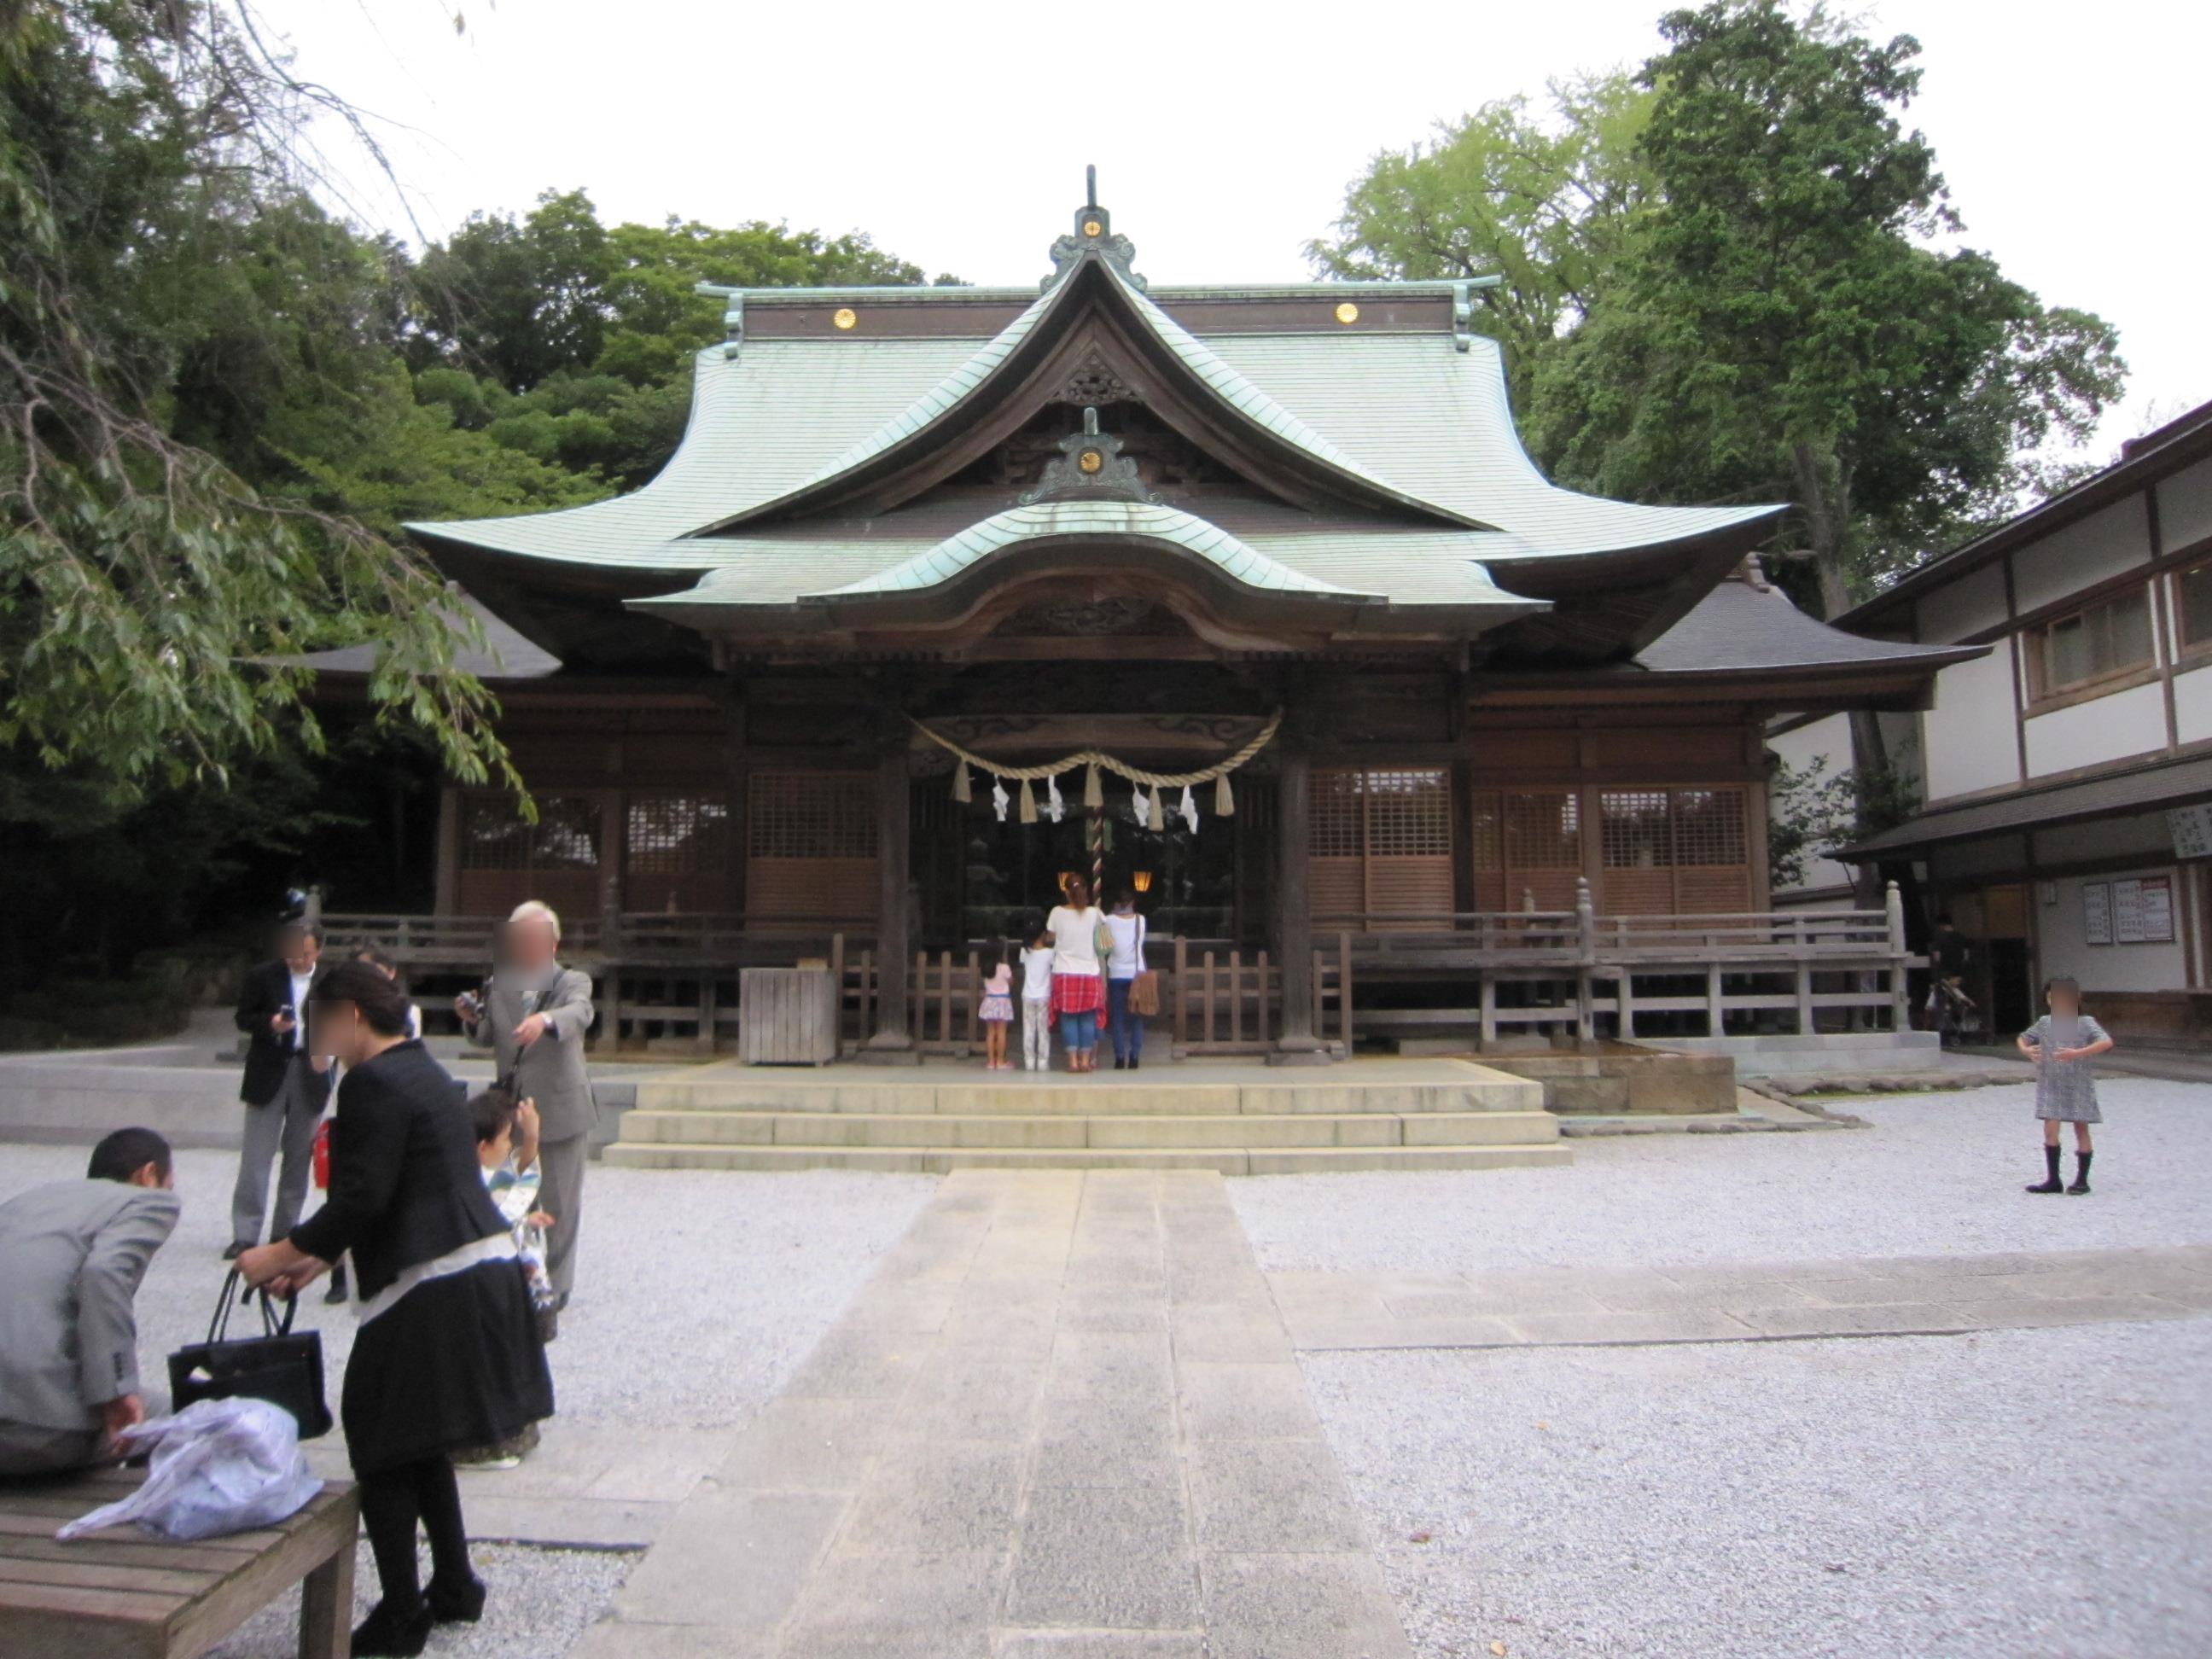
pixel 1128 1029
pixel 1078 1033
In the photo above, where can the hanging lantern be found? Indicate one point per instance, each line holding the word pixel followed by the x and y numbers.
pixel 1142 881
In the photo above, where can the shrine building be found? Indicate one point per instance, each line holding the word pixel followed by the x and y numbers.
pixel 1480 740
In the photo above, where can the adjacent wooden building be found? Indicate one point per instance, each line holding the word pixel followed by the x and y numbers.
pixel 1147 521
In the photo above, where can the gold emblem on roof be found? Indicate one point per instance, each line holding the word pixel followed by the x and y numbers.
pixel 1091 226
pixel 1348 312
pixel 1089 460
pixel 845 317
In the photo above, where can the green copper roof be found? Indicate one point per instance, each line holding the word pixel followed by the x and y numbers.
pixel 1060 519
pixel 1234 391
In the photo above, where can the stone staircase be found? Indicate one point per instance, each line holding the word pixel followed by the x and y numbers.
pixel 1238 1118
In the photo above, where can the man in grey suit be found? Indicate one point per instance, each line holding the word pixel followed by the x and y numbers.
pixel 76 1251
pixel 285 1088
pixel 533 1015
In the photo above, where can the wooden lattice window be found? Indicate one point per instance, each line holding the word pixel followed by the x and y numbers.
pixel 677 835
pixel 1527 848
pixel 1380 845
pixel 503 860
pixel 1679 852
pixel 495 836
pixel 810 846
pixel 811 815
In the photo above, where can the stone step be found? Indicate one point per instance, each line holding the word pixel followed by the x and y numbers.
pixel 1071 1131
pixel 938 1160
pixel 1474 1089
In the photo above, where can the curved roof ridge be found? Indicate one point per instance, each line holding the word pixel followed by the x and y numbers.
pixel 1231 554
pixel 1225 382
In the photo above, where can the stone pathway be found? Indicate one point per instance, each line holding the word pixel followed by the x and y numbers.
pixel 1063 1421
pixel 1879 1296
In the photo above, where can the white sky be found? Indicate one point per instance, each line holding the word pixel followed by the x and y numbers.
pixel 1224 133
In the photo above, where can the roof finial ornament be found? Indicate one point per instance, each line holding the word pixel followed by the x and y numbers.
pixel 1094 235
pixel 1090 467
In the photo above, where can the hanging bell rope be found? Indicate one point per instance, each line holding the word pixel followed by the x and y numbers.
pixel 1096 761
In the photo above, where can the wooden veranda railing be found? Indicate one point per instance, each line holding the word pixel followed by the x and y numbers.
pixel 1574 970
pixel 671 980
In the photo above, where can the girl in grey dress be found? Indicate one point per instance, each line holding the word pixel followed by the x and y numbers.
pixel 2062 1044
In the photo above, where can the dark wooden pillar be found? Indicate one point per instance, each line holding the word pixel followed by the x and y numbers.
pixel 737 761
pixel 1293 900
pixel 894 839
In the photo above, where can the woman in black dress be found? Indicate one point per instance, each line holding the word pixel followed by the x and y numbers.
pixel 448 1353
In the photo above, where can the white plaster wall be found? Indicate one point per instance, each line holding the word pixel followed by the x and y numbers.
pixel 1974 602
pixel 2130 722
pixel 2185 507
pixel 2103 544
pixel 1966 739
pixel 2066 953
pixel 1828 738
pixel 2192 705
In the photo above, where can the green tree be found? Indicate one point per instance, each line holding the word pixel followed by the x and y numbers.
pixel 1546 201
pixel 1788 323
pixel 520 301
pixel 164 285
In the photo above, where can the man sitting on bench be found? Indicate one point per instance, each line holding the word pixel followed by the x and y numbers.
pixel 76 1251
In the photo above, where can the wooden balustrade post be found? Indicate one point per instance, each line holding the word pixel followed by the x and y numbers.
pixel 1585 960
pixel 706 1038
pixel 1715 1021
pixel 1181 991
pixel 1900 1011
pixel 1344 989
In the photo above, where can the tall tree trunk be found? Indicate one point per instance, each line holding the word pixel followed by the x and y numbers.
pixel 1824 493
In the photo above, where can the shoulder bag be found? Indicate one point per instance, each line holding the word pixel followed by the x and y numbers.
pixel 279 1366
pixel 1145 989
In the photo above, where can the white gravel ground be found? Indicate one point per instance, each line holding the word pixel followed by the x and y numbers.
pixel 698 1293
pixel 2044 1492
pixel 1937 1174
pixel 540 1602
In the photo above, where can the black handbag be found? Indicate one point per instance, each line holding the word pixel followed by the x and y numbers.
pixel 277 1367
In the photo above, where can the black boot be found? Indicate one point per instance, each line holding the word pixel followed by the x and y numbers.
pixel 457 1604
pixel 338 1289
pixel 2081 1172
pixel 2049 1183
pixel 391 1632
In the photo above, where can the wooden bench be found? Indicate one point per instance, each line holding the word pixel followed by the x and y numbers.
pixel 126 1591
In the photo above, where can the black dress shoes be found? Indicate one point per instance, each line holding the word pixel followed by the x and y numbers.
pixel 457 1604
pixel 391 1632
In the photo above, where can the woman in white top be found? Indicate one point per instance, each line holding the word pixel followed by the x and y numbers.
pixel 1123 963
pixel 1072 930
